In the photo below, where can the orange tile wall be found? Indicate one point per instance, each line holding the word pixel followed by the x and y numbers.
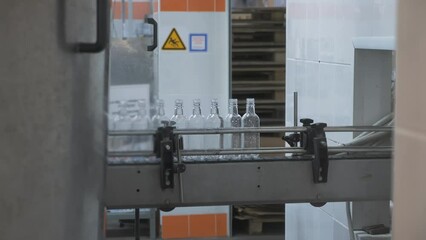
pixel 141 9
pixel 195 226
pixel 193 5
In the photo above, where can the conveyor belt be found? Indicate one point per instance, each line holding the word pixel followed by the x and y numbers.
pixel 286 180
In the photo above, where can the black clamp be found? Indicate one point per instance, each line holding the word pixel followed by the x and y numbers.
pixel 294 138
pixel 165 147
pixel 314 141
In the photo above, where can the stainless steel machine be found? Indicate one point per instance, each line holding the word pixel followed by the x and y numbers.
pixel 52 127
pixel 314 173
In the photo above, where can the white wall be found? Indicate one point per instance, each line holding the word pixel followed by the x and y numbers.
pixel 319 67
pixel 409 178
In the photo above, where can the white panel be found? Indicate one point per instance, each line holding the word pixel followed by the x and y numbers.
pixel 296 22
pixel 312 30
pixel 303 215
pixel 323 76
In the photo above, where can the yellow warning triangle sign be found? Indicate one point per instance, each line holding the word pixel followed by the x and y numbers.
pixel 173 41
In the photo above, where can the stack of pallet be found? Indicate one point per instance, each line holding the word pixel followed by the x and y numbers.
pixel 258 61
pixel 259 217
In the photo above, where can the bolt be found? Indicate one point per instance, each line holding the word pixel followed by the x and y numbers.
pixel 168 147
pixel 324 143
pixel 168 183
pixel 320 178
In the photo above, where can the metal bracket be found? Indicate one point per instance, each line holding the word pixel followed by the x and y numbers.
pixel 165 147
pixel 292 139
pixel 314 142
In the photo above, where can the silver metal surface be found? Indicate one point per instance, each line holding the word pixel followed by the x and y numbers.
pixel 256 130
pixel 52 126
pixel 249 183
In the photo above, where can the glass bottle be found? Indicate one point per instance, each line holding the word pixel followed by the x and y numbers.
pixel 251 120
pixel 232 120
pixel 122 122
pixel 160 115
pixel 140 122
pixel 180 119
pixel 196 121
pixel 214 121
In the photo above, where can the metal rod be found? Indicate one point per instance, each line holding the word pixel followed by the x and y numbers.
pixel 295 112
pixel 254 151
pixel 179 174
pixel 130 154
pixel 282 150
pixel 131 133
pixel 358 129
pixel 255 130
pixel 242 151
pixel 296 108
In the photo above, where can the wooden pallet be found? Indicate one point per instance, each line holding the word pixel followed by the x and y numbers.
pixel 258 61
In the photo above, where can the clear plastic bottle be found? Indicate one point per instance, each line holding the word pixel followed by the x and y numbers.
pixel 251 120
pixel 160 115
pixel 232 120
pixel 141 121
pixel 180 119
pixel 214 121
pixel 122 122
pixel 196 121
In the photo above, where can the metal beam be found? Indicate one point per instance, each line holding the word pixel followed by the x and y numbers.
pixel 225 183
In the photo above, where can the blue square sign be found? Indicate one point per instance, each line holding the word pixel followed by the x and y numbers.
pixel 198 42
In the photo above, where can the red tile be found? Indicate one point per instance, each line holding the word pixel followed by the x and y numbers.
pixel 175 227
pixel 221 225
pixel 220 5
pixel 201 5
pixel 174 5
pixel 203 225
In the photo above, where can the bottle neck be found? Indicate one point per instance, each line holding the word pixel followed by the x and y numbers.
pixel 122 112
pixel 178 110
pixel 142 111
pixel 214 110
pixel 160 110
pixel 250 108
pixel 233 109
pixel 197 110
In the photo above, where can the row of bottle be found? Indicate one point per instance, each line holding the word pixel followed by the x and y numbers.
pixel 123 120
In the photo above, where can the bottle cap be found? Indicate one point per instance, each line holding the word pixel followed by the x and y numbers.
pixel 250 100
pixel 197 101
pixel 179 102
pixel 233 101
